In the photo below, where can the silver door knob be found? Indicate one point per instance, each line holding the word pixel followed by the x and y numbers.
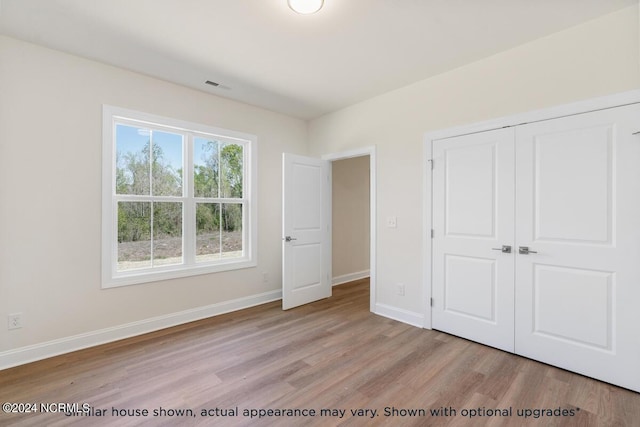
pixel 524 250
pixel 505 249
pixel 289 238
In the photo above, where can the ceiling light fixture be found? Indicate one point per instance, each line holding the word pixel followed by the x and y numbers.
pixel 305 7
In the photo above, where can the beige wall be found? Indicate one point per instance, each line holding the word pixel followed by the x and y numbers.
pixel 350 217
pixel 594 59
pixel 50 200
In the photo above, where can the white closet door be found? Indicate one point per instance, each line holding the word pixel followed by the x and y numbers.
pixel 578 208
pixel 473 214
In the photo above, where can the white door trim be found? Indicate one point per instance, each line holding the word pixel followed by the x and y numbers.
pixel 371 152
pixel 427 226
pixel 554 112
pixel 600 103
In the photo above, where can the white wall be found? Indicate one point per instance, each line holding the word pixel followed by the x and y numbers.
pixel 50 201
pixel 594 59
pixel 350 218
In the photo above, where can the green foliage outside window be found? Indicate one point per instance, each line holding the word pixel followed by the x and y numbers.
pixel 143 169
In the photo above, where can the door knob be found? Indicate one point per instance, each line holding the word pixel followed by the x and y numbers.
pixel 505 249
pixel 524 250
pixel 289 238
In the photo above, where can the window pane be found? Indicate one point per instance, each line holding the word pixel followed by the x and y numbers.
pixel 132 160
pixel 207 232
pixel 167 164
pixel 206 168
pixel 167 233
pixel 231 230
pixel 134 235
pixel 231 165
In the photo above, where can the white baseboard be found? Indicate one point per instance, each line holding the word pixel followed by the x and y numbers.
pixel 32 353
pixel 346 278
pixel 401 315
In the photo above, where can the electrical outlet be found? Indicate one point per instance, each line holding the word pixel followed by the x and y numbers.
pixel 400 289
pixel 265 277
pixel 14 321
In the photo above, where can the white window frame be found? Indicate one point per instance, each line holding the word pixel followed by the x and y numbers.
pixel 111 277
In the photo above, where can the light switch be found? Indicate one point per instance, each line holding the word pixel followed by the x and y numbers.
pixel 392 222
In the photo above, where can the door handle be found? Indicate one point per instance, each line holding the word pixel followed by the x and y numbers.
pixel 289 238
pixel 524 250
pixel 505 249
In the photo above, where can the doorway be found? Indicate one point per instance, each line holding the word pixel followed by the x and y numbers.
pixel 306 226
pixel 350 220
pixel 353 218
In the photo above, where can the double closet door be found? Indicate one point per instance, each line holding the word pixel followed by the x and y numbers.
pixel 536 248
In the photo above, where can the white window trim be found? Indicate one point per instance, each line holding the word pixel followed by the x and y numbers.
pixel 110 276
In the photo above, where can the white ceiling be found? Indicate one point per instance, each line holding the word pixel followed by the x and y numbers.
pixel 264 54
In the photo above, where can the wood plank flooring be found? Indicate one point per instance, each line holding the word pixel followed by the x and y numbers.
pixel 332 354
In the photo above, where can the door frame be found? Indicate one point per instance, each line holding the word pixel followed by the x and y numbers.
pixel 361 152
pixel 600 103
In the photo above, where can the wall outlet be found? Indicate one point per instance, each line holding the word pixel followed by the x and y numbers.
pixel 14 321
pixel 265 277
pixel 400 289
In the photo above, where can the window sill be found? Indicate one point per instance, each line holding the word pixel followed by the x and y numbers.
pixel 172 272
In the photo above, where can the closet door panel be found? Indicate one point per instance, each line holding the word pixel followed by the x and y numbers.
pixel 473 215
pixel 577 212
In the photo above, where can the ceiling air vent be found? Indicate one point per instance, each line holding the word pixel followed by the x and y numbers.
pixel 209 82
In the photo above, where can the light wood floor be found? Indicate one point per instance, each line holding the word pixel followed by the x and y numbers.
pixel 332 354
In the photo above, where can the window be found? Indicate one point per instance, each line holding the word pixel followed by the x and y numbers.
pixel 178 198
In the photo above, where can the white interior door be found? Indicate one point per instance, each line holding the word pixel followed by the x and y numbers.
pixel 306 244
pixel 473 218
pixel 578 208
